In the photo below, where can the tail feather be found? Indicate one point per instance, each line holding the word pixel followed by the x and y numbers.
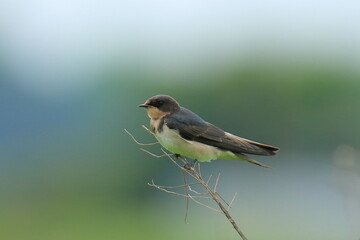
pixel 269 148
pixel 246 158
pixel 252 147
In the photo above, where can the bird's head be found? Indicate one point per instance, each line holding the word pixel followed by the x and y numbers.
pixel 160 105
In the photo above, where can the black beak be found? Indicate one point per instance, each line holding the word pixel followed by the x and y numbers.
pixel 144 105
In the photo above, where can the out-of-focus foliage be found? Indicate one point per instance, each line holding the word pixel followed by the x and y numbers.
pixel 70 172
pixel 72 74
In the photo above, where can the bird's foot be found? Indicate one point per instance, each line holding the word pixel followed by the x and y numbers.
pixel 189 166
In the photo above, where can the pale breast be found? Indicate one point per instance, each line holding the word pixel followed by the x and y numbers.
pixel 172 141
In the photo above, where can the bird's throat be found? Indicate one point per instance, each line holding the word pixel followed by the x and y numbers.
pixel 155 113
pixel 156 125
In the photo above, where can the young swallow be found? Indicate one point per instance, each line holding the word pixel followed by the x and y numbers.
pixel 182 132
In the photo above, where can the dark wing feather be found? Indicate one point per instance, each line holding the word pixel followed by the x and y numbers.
pixel 192 127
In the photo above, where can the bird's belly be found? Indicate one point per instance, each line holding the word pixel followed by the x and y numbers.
pixel 173 142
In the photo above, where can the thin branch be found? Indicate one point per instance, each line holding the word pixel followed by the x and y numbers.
pixel 175 193
pixel 221 206
pixel 192 190
pixel 181 158
pixel 137 142
pixel 195 174
pixel 179 186
pixel 223 200
pixel 207 182
pixel 213 194
pixel 148 130
pixel 169 156
pixel 202 204
pixel 215 190
pixel 199 170
pixel 187 199
pixel 232 201
pixel 216 182
pixel 153 154
pixel 187 210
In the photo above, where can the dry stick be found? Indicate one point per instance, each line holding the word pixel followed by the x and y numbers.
pixel 200 203
pixel 152 154
pixel 148 130
pixel 192 172
pixel 197 176
pixel 139 143
pixel 179 186
pixel 217 200
pixel 187 199
pixel 232 200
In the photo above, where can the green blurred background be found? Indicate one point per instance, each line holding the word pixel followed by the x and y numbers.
pixel 73 72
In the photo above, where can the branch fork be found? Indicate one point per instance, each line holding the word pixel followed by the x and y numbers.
pixel 195 173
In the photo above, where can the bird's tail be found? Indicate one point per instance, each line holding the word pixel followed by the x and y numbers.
pixel 265 149
pixel 246 158
pixel 251 147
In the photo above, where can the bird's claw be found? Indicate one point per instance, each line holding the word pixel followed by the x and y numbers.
pixel 189 166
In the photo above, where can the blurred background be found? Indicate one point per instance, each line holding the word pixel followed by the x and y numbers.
pixel 280 72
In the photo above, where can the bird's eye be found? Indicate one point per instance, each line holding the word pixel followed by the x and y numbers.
pixel 160 102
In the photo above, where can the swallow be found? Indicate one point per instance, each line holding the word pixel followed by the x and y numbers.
pixel 184 133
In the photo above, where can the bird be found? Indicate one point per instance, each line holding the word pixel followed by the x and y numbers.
pixel 184 133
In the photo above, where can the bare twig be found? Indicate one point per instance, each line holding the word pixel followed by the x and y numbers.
pixel 139 143
pixel 199 170
pixel 197 193
pixel 223 200
pixel 207 182
pixel 200 203
pixel 152 184
pixel 187 199
pixel 232 200
pixel 169 156
pixel 153 154
pixel 148 130
pixel 179 186
pixel 218 201
pixel 217 182
pixel 196 196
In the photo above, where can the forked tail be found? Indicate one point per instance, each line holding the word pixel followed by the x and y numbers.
pixel 246 158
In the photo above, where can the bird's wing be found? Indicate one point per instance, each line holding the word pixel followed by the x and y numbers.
pixel 192 127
